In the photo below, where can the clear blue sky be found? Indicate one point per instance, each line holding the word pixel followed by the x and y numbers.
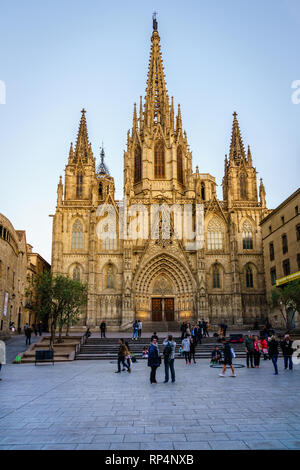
pixel 220 56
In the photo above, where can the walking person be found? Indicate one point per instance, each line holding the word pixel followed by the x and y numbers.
pixel 28 332
pixel 186 345
pixel 128 356
pixel 153 360
pixel 135 330
pixel 205 328
pixel 122 353
pixel 273 353
pixel 264 347
pixel 103 329
pixel 227 354
pixel 256 351
pixel 192 349
pixel 287 351
pixel 34 328
pixel 169 357
pixel 40 328
pixel 249 350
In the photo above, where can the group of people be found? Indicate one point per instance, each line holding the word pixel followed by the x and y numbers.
pixel 137 327
pixel 197 331
pixel 269 347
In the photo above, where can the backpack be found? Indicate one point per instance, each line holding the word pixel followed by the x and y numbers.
pixel 167 351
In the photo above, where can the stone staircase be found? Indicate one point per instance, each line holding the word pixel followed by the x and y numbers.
pixel 107 348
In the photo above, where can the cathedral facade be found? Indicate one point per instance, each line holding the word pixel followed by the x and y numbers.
pixel 156 278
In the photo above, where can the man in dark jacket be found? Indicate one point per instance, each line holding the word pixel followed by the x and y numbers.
pixel 122 353
pixel 249 350
pixel 153 360
pixel 287 351
pixel 103 329
pixel 28 332
pixel 169 357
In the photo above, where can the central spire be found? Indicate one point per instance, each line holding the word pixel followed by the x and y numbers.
pixel 157 100
pixel 237 151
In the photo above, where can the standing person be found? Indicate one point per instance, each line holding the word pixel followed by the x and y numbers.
pixel 287 351
pixel 182 329
pixel 169 357
pixel 153 360
pixel 135 330
pixel 34 328
pixel 87 334
pixel 186 345
pixel 140 327
pixel 216 355
pixel 154 336
pixel 256 351
pixel 227 354
pixel 103 329
pixel 122 353
pixel 192 349
pixel 40 328
pixel 273 352
pixel 28 332
pixel 205 328
pixel 264 347
pixel 249 350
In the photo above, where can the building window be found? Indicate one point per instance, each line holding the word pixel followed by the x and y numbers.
pixel 286 267
pixel 79 186
pixel 296 210
pixel 100 190
pixel 273 276
pixel 284 244
pixel 110 277
pixel 270 228
pixel 243 186
pixel 137 164
pixel 76 273
pixel 298 232
pixel 159 160
pixel 215 235
pixel 298 262
pixel 271 249
pixel 282 219
pixel 216 278
pixel 247 236
pixel 249 277
pixel 203 191
pixel 77 233
pixel 179 165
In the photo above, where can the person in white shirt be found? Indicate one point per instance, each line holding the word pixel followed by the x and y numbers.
pixel 186 345
pixel 140 327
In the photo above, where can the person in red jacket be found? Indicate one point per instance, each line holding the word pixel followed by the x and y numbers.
pixel 264 347
pixel 256 351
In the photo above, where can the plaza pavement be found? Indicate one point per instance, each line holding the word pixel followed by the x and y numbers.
pixel 84 405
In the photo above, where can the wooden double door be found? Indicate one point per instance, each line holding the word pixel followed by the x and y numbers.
pixel 163 309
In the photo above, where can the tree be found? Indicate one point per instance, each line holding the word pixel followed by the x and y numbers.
pixel 59 298
pixel 287 299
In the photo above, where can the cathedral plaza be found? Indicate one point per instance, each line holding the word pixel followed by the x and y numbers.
pixel 167 316
pixel 84 405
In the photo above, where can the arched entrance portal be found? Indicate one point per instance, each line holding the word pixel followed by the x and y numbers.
pixel 164 290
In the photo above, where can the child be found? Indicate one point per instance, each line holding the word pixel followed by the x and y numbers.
pixel 145 352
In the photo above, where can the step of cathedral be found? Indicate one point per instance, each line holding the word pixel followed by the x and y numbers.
pixel 107 348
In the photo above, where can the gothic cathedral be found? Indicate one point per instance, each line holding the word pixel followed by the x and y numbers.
pixel 160 280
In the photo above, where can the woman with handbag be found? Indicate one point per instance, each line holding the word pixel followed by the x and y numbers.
pixel 154 360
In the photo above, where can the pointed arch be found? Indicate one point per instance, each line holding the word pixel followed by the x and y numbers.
pixel 179 165
pixel 137 164
pixel 76 273
pixel 77 235
pixel 79 183
pixel 247 235
pixel 215 234
pixel 249 276
pixel 243 186
pixel 159 160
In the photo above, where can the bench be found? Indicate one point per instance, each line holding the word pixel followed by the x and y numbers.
pixel 44 356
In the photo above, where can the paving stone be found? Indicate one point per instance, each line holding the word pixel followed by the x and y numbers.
pixel 166 445
pixel 266 445
pixel 170 437
pixel 231 445
pixel 126 446
pixel 108 438
pixel 192 446
pixel 212 436
pixel 291 444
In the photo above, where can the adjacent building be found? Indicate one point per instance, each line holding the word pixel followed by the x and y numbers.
pixel 16 261
pixel 161 279
pixel 281 245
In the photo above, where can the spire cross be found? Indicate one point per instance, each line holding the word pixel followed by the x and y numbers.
pixel 83 111
pixel 154 21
